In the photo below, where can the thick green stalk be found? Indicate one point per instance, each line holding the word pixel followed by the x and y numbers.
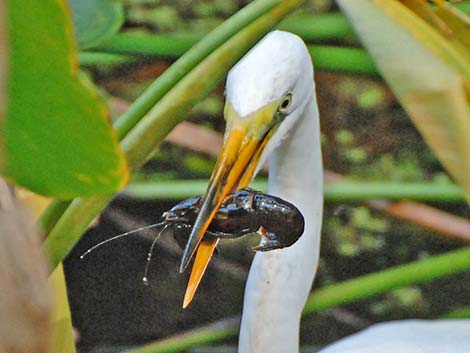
pixel 328 58
pixel 195 338
pixel 341 59
pixel 328 26
pixel 164 47
pixel 175 189
pixel 310 28
pixel 160 120
pixel 420 271
pixel 168 46
pixel 102 58
pixel 426 192
pixel 51 215
pixel 337 192
pixel 380 282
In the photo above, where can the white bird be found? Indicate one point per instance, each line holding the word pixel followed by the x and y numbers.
pixel 408 336
pixel 271 110
pixel 279 281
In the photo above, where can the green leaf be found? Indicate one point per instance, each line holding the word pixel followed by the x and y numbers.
pixel 95 21
pixel 58 139
pixel 428 71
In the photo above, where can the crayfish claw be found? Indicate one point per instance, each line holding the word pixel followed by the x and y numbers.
pixel 268 241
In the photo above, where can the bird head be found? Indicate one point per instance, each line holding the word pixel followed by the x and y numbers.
pixel 268 89
pixel 266 93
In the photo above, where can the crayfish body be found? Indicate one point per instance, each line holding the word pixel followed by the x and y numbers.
pixel 246 211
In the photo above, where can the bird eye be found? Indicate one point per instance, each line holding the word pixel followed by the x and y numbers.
pixel 286 103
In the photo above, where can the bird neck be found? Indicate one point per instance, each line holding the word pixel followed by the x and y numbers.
pixel 279 281
pixel 295 167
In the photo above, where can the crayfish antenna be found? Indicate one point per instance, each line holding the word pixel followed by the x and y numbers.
pixel 149 255
pixel 93 248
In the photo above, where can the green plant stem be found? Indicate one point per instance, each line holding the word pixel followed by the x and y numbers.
pixel 341 59
pixel 90 58
pixel 188 342
pixel 328 58
pixel 314 28
pixel 417 272
pixel 336 192
pixel 380 282
pixel 159 121
pixel 51 215
pixel 163 46
pixel 175 189
pixel 195 338
pixel 328 26
pixel 426 192
pixel 310 28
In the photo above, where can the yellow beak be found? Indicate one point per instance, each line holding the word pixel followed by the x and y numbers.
pixel 244 142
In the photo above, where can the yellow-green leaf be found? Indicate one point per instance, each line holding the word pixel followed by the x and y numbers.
pixel 58 140
pixel 427 73
pixel 62 330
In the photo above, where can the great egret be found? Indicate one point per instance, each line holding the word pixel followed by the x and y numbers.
pixel 279 281
pixel 271 110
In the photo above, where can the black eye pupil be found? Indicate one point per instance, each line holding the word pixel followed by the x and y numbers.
pixel 285 103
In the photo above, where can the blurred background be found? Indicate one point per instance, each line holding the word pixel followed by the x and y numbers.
pixel 366 137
